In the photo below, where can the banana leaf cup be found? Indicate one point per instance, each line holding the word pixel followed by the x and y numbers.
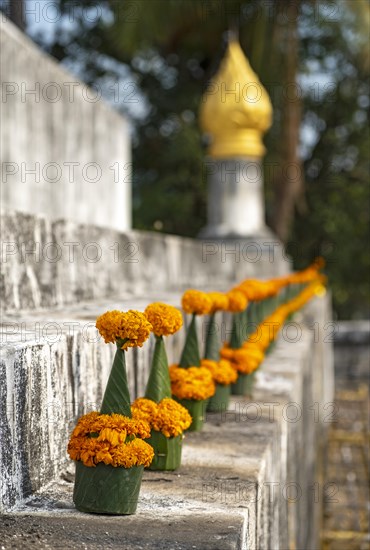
pixel 192 384
pixel 167 418
pixel 108 446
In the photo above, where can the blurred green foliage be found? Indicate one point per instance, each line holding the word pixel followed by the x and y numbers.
pixel 169 49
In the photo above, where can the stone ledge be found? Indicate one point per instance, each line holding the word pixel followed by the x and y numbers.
pixel 204 491
pixel 49 264
pixel 224 485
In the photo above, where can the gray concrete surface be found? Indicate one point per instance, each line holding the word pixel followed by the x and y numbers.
pixel 49 264
pixel 65 153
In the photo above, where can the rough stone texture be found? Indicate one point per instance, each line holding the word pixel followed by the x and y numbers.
pixel 222 497
pixel 47 264
pixel 55 125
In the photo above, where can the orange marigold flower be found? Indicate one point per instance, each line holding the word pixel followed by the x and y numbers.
pixel 135 453
pixel 110 439
pixel 256 290
pixel 237 300
pixel 168 416
pixel 114 437
pixel 164 319
pixel 244 360
pixel 253 350
pixel 131 326
pixel 220 301
pixel 222 371
pixel 94 423
pixel 191 383
pixel 226 352
pixel 242 355
pixel 195 301
pixel 144 409
pixel 172 418
pixel 252 288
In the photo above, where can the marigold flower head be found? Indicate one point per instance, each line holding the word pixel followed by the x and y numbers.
pixel 220 301
pixel 110 439
pixel 261 338
pixel 191 383
pixel 256 290
pixel 167 417
pixel 241 360
pixel 251 288
pixel 253 350
pixel 131 326
pixel 247 360
pixel 271 288
pixel 164 319
pixel 222 371
pixel 94 422
pixel 195 301
pixel 237 300
pixel 135 453
pixel 144 409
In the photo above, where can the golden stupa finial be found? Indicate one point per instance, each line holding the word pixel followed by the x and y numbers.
pixel 236 110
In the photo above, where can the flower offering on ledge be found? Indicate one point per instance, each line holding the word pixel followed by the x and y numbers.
pixel 167 418
pixel 194 385
pixel 110 439
pixel 107 446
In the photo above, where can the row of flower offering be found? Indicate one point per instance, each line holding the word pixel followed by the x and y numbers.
pixel 112 447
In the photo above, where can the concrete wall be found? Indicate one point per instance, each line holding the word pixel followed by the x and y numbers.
pixel 54 125
pixel 52 264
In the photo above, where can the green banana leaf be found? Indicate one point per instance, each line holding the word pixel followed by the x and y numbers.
pixel 167 451
pixel 212 340
pixel 190 356
pixel 107 490
pixel 117 397
pixel 197 410
pixel 159 384
pixel 243 385
pixel 236 339
pixel 219 402
pixel 250 319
